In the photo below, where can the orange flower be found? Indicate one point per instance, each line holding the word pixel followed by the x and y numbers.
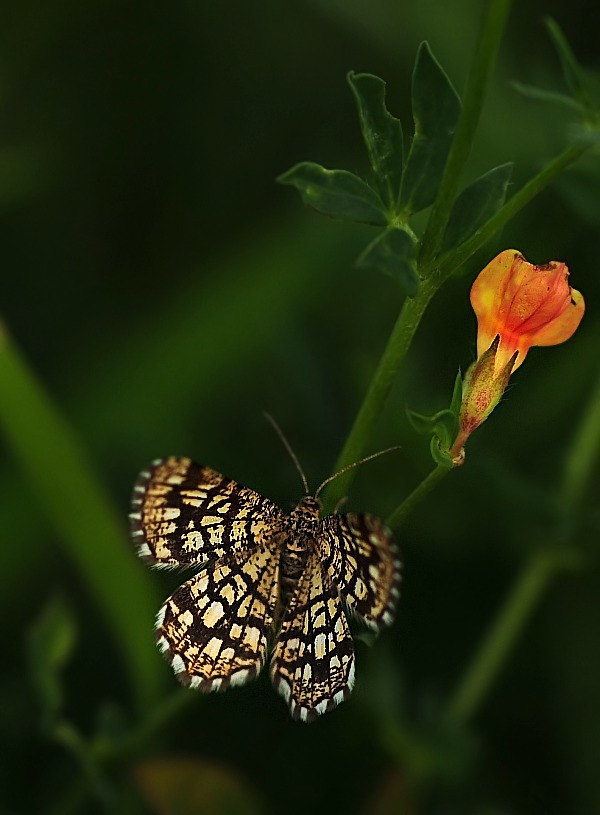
pixel 517 305
pixel 525 305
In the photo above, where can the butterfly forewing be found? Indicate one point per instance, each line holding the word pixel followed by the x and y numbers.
pixel 184 514
pixel 313 661
pixel 215 627
pixel 361 558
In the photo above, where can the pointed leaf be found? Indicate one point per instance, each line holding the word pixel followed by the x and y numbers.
pixel 436 107
pixel 337 193
pixel 382 134
pixel 393 252
pixel 476 204
pixel 572 71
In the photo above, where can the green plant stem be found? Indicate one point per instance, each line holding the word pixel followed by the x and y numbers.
pixel 84 520
pixel 455 258
pixel 399 515
pixel 383 379
pixel 504 632
pixel 474 95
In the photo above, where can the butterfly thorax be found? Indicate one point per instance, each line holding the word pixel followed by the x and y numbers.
pixel 303 526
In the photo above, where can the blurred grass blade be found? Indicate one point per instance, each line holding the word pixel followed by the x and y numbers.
pixel 382 134
pixel 336 193
pixel 84 521
pixel 436 108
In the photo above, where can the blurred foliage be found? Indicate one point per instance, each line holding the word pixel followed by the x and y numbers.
pixel 166 290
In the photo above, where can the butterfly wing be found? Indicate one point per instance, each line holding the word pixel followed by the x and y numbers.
pixel 184 515
pixel 214 629
pixel 360 555
pixel 313 661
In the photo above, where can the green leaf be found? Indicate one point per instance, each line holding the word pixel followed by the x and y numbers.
pixel 382 134
pixel 572 71
pixel 442 424
pixel 394 253
pixel 436 107
pixel 421 424
pixel 337 193
pixel 542 95
pixel 476 204
pixel 50 643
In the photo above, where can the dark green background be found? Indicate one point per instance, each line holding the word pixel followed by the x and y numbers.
pixel 166 291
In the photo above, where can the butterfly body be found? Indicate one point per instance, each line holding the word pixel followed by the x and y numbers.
pixel 266 582
pixel 300 539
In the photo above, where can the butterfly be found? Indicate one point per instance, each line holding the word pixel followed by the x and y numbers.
pixel 266 583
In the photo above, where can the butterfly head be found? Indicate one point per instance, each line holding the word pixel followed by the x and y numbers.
pixel 308 509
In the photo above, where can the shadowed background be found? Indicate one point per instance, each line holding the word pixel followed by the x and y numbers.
pixel 166 291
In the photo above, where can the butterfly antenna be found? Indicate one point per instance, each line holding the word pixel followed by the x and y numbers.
pixel 288 447
pixel 356 464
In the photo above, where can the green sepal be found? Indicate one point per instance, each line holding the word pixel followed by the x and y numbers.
pixel 436 108
pixel 50 643
pixel 336 193
pixel 440 454
pixel 393 252
pixel 476 204
pixel 457 394
pixel 382 134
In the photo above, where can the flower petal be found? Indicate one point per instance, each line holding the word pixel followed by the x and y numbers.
pixel 487 295
pixel 564 326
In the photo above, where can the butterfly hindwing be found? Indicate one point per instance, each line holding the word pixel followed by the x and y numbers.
pixel 360 555
pixel 313 661
pixel 214 628
pixel 184 514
